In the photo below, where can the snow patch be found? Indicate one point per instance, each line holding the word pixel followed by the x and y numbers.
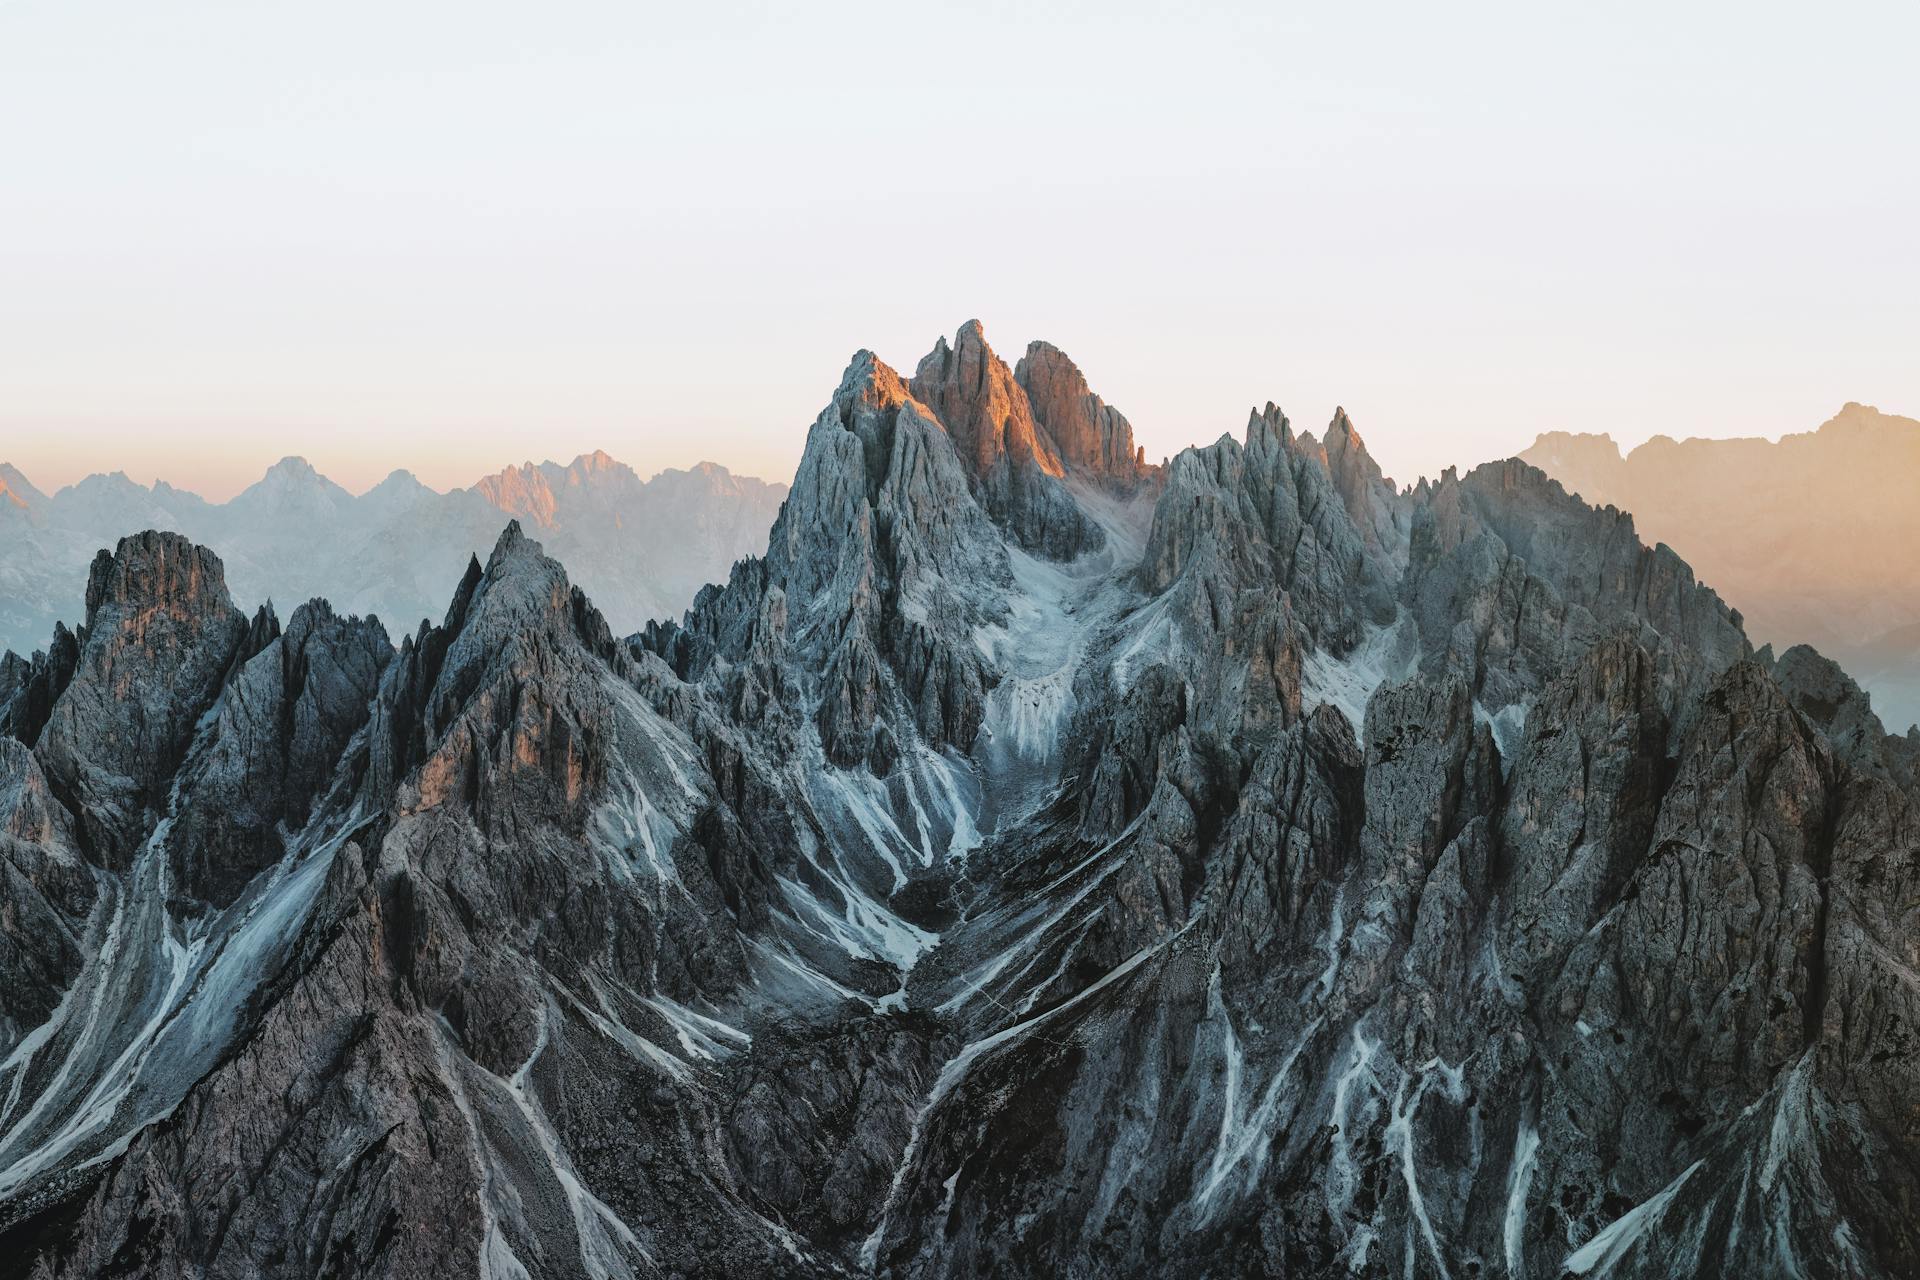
pixel 1330 942
pixel 1507 724
pixel 1385 655
pixel 1526 1153
pixel 957 1067
pixel 1343 1172
pixel 1600 1254
pixel 1399 1138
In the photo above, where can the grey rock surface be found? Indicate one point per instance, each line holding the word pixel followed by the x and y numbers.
pixel 1284 874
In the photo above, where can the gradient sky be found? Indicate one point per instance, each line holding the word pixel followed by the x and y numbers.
pixel 449 236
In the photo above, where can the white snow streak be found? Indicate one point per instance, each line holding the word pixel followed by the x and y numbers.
pixel 1342 1174
pixel 1526 1153
pixel 598 1229
pixel 1602 1253
pixel 1243 1138
pixel 956 1069
pixel 1399 1137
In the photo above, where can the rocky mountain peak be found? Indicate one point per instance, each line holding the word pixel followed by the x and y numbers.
pixel 294 474
pixel 1281 508
pixel 522 492
pixel 868 382
pixel 293 467
pixel 102 484
pixel 1268 429
pixel 157 572
pixel 292 487
pixel 976 398
pixel 160 638
pixel 1857 418
pixel 600 470
pixel 1091 437
pixel 1588 464
pixel 1351 882
pixel 523 593
pixel 1013 467
pixel 398 481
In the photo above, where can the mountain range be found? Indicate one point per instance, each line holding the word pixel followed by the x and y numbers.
pixel 1036 862
pixel 296 535
pixel 1814 537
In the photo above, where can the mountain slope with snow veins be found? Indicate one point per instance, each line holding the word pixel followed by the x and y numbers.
pixel 1037 863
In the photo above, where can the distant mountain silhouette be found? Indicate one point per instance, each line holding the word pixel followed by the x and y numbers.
pixel 643 547
pixel 1815 539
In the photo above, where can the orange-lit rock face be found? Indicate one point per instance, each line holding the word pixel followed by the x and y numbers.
pixel 1014 469
pixel 522 492
pixel 1091 436
pixel 976 398
pixel 909 887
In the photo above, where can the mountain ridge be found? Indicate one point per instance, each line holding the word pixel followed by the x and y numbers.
pixel 1299 875
pixel 1813 535
pixel 295 533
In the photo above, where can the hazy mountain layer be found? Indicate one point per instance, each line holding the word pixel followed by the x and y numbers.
pixel 1815 538
pixel 1026 867
pixel 644 547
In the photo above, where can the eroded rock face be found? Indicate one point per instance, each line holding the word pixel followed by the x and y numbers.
pixel 30 686
pixel 47 892
pixel 160 637
pixel 1015 468
pixel 283 722
pixel 1510 578
pixel 1319 879
pixel 1836 561
pixel 1089 435
pixel 1272 511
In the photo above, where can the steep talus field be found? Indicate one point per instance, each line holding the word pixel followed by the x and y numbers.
pixel 1037 863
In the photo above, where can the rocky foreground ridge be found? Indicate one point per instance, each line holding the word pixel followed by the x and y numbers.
pixel 1037 863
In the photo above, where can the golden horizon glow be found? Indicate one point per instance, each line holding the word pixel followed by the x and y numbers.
pixel 447 238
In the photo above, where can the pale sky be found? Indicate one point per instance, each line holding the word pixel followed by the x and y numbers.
pixel 450 236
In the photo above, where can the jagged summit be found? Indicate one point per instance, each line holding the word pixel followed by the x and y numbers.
pixel 512 544
pixel 1091 438
pixel 1014 469
pixel 984 409
pixel 1301 876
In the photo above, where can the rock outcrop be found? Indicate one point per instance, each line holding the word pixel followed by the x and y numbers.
pixel 1835 562
pixel 161 635
pixel 1090 436
pixel 1015 468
